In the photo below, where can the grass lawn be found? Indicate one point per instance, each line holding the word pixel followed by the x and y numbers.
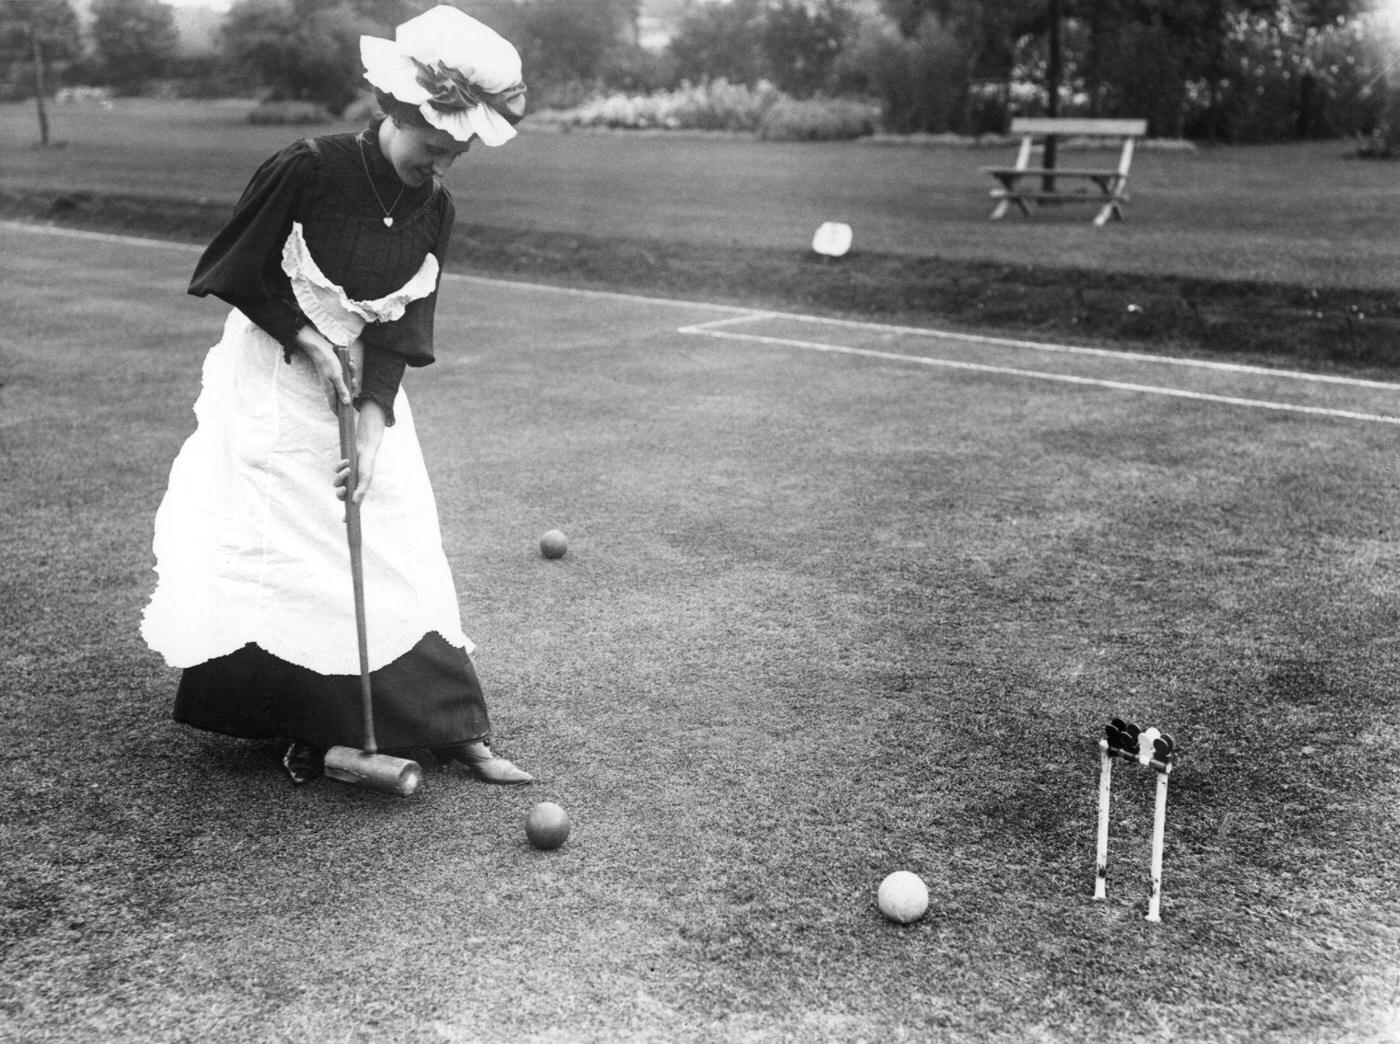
pixel 822 617
pixel 1286 252
pixel 1298 214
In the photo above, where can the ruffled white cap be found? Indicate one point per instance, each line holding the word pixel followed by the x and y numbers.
pixel 463 76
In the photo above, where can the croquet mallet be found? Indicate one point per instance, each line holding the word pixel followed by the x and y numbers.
pixel 367 767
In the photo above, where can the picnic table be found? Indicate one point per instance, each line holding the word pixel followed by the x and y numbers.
pixel 1024 183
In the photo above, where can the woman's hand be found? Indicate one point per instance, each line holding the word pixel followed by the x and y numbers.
pixel 322 355
pixel 369 433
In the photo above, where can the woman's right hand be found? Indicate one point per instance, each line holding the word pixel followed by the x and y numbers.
pixel 322 355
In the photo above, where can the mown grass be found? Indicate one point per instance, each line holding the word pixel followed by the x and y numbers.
pixel 820 619
pixel 1284 253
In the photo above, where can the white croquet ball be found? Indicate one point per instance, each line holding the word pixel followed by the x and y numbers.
pixel 903 897
pixel 1146 739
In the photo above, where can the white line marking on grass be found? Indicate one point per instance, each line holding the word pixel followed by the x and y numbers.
pixel 99 237
pixel 739 311
pixel 1063 349
pixel 740 314
pixel 714 324
pixel 707 330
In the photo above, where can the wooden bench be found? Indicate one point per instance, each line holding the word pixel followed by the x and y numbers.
pixel 1024 183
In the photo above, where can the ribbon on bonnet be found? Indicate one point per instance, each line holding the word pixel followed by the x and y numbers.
pixel 450 91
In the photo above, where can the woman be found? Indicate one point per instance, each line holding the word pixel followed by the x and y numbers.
pixel 337 241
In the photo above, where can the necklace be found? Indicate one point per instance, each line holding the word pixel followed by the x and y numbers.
pixel 389 210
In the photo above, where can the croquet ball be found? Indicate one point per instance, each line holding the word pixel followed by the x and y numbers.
pixel 547 825
pixel 553 544
pixel 903 897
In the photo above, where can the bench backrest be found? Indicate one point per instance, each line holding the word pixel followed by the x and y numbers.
pixel 1074 125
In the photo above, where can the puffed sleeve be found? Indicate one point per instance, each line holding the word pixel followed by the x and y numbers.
pixel 407 341
pixel 243 264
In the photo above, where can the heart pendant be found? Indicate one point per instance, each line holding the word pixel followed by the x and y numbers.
pixel 388 222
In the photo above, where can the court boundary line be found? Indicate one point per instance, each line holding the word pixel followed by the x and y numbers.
pixel 710 330
pixel 741 314
pixel 1054 347
pixel 114 238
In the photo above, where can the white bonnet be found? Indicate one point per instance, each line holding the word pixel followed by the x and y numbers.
pixel 463 76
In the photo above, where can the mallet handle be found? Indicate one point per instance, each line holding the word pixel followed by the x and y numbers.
pixel 350 452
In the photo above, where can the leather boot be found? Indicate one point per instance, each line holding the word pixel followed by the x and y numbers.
pixel 303 762
pixel 481 761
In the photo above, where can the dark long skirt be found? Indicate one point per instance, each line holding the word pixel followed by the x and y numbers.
pixel 429 697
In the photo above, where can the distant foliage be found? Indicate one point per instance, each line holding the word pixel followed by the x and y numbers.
pixel 297 55
pixel 813 119
pixel 562 40
pixel 1285 79
pixel 920 80
pixel 1383 140
pixel 1246 72
pixel 713 106
pixel 720 42
pixel 721 106
pixel 802 41
pixel 1233 70
pixel 135 40
pixel 49 25
pixel 794 44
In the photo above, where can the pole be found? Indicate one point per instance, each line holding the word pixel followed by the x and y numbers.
pixel 1054 73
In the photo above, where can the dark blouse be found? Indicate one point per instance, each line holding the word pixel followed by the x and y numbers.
pixel 326 186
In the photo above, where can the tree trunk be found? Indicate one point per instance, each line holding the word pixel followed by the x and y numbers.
pixel 1094 63
pixel 39 85
pixel 1053 74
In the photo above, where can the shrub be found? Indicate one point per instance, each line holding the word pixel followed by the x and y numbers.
pixel 818 119
pixel 633 112
pixel 561 95
pixel 721 105
pixel 1383 140
pixel 714 106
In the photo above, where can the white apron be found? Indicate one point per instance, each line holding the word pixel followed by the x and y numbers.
pixel 250 539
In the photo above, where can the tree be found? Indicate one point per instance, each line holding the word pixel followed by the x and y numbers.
pixel 1143 55
pixel 920 80
pixel 802 42
pixel 306 50
pixel 41 31
pixel 563 41
pixel 721 42
pixel 976 43
pixel 135 40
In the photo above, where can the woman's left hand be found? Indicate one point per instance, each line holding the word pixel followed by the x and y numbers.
pixel 369 433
